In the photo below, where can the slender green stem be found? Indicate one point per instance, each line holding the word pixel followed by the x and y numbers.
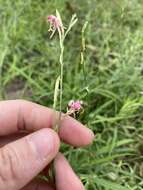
pixel 62 36
pixel 61 74
pixel 59 80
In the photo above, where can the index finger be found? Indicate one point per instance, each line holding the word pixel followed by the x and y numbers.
pixel 19 115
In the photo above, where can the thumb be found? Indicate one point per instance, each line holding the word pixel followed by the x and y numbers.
pixel 23 159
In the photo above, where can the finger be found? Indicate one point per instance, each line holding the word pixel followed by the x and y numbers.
pixel 23 159
pixel 17 115
pixel 66 179
pixel 74 133
pixel 38 185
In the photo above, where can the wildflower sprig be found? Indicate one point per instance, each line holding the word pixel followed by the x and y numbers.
pixel 56 24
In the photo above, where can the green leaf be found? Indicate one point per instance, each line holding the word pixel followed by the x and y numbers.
pixel 109 185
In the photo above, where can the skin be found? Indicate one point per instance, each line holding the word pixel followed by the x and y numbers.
pixel 28 144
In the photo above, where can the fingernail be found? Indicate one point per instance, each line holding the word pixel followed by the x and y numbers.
pixel 92 135
pixel 43 142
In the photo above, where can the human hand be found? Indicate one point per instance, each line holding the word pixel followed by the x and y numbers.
pixel 28 145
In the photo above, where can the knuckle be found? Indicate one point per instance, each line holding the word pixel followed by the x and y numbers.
pixel 9 163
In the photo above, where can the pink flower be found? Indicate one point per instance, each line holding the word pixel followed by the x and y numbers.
pixel 55 24
pixel 75 105
pixel 54 21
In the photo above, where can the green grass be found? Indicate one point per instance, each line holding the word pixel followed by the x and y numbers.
pixel 111 83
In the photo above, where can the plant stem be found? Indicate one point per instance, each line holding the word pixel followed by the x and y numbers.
pixel 61 73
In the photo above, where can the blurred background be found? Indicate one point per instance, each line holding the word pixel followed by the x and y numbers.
pixel 110 81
